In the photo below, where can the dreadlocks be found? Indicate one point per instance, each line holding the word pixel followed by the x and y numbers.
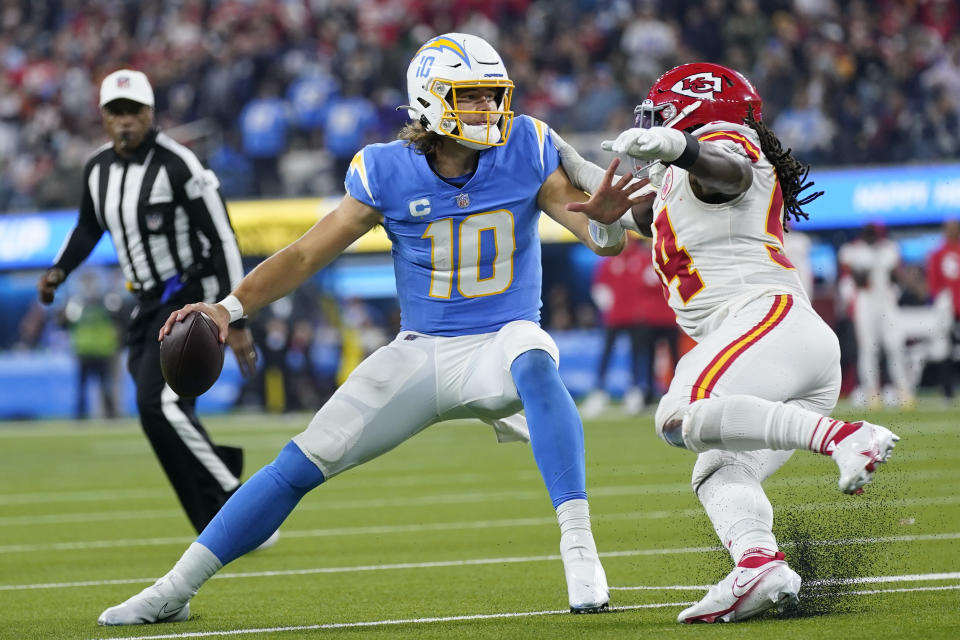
pixel 791 173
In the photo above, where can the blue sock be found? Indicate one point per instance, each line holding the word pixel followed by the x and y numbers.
pixel 254 512
pixel 556 432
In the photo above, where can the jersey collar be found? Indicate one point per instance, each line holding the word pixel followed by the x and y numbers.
pixel 139 154
pixel 483 166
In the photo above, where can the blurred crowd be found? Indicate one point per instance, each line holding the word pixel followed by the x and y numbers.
pixel 277 95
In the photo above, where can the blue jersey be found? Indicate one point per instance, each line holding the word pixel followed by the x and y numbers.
pixel 466 259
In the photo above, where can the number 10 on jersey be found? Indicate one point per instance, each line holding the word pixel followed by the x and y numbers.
pixel 467 272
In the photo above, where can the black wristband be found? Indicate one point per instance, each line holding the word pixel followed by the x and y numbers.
pixel 239 323
pixel 690 153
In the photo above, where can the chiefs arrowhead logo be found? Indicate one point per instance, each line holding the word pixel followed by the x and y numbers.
pixel 699 85
pixel 667 183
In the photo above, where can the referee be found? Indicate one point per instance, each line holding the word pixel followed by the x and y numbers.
pixel 175 245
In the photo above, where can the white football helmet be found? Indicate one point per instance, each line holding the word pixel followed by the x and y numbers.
pixel 451 63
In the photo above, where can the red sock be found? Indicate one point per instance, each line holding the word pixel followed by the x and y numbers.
pixel 758 556
pixel 828 434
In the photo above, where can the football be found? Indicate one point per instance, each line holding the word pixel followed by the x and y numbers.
pixel 191 355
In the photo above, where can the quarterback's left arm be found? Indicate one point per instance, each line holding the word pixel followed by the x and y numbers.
pixel 715 168
pixel 571 207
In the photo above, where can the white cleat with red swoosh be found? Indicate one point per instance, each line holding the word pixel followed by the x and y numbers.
pixel 859 453
pixel 746 592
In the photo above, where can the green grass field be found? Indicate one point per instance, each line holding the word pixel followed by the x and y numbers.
pixel 452 536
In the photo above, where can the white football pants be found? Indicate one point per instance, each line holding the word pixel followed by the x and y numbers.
pixel 876 323
pixel 416 381
pixel 776 348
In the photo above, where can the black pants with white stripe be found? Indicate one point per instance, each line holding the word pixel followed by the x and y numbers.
pixel 202 473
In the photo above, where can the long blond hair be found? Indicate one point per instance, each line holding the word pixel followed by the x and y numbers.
pixel 416 135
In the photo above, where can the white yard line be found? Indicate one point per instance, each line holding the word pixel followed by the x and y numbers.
pixel 377 623
pixel 325 502
pixel 328 501
pixel 94 544
pixel 101 516
pixel 72 497
pixel 383 529
pixel 911 577
pixel 869 592
pixel 88 516
pixel 336 500
pixel 455 563
pixel 480 616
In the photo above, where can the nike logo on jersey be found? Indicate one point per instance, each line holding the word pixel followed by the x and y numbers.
pixel 740 590
pixel 163 614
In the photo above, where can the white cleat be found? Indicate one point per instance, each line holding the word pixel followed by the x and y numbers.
pixel 162 601
pixel 586 581
pixel 746 592
pixel 858 455
pixel 633 401
pixel 595 403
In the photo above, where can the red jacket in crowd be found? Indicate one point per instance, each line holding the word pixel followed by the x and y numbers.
pixel 943 272
pixel 627 289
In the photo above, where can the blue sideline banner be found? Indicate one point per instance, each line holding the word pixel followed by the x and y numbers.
pixel 44 385
pixel 32 241
pixel 37 384
pixel 894 196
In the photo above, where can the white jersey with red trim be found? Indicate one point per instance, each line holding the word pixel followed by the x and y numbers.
pixel 713 258
pixel 876 262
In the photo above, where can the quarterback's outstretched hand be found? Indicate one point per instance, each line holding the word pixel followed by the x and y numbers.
pixel 609 201
pixel 656 143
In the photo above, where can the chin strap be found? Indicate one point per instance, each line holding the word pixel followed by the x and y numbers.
pixel 476 132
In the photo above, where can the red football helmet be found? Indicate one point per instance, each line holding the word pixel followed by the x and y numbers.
pixel 694 94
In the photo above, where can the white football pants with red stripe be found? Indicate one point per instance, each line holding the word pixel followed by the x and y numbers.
pixel 776 348
pixel 876 322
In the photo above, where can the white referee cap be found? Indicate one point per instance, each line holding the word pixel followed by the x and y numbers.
pixel 128 84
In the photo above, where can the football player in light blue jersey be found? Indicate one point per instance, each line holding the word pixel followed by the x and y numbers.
pixel 460 196
pixel 466 248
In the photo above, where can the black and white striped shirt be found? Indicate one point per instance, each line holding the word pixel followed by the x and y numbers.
pixel 165 215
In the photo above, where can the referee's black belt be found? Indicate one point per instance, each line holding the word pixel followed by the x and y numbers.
pixel 147 295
